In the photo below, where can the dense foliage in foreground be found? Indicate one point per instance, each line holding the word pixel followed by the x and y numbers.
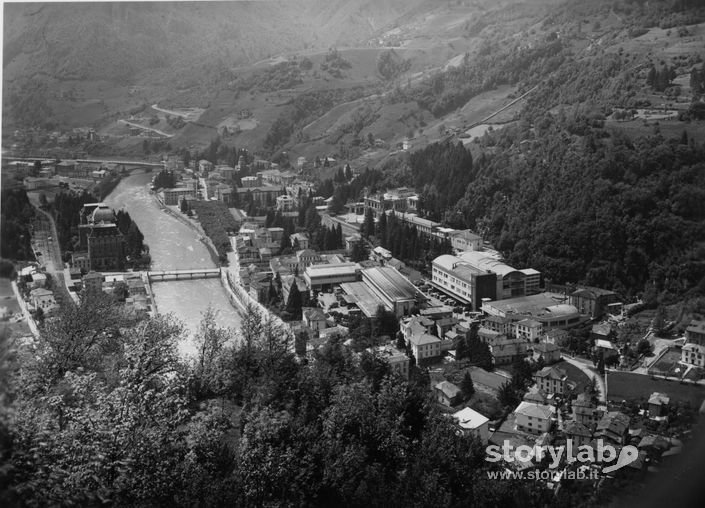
pixel 102 410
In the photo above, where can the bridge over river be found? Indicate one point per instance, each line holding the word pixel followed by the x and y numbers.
pixel 188 274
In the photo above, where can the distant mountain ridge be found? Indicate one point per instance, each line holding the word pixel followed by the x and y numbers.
pixel 114 41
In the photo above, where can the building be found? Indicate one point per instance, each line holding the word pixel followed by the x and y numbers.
pixel 592 301
pixel 549 353
pixel 693 352
pixel 93 283
pixel 397 293
pixel 425 346
pixel 299 241
pixel 511 283
pixel 288 282
pixel 42 298
pixel 174 196
pixel 397 360
pixel 473 424
pixel 320 277
pixel 286 203
pixel 39 280
pixel 549 309
pixel 205 166
pixel 578 433
pixel 552 380
pixel 534 418
pixel 461 280
pixel 585 412
pixel 528 329
pixel 261 196
pixel 415 325
pixel 314 318
pixel 613 427
pixel 399 200
pixel 505 350
pixel 464 240
pixel 658 404
pixel 448 394
pixel 100 238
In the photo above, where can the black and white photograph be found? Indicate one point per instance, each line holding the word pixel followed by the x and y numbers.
pixel 353 253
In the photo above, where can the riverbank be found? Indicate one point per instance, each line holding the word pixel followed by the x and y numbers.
pixel 176 243
pixel 203 238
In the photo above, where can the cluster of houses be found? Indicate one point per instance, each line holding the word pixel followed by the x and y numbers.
pixel 39 297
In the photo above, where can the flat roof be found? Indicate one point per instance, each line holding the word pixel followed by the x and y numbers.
pixel 535 305
pixel 366 300
pixel 332 270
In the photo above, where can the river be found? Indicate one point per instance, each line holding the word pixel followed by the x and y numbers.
pixel 174 245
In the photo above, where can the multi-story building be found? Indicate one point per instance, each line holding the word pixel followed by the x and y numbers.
pixel 100 237
pixel 425 346
pixel 693 352
pixel 552 380
pixel 174 196
pixel 465 240
pixel 585 411
pixel 534 418
pixel 528 329
pixel 261 196
pixel 463 281
pixel 592 301
pixel 511 283
pixel 613 427
pixel 286 203
pixel 397 360
pixel 473 423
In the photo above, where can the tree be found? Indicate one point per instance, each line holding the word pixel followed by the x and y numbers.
pixel 643 347
pixel 184 206
pixel 507 395
pixel 209 371
pixel 368 226
pixel 601 364
pixel 467 386
pixel 293 305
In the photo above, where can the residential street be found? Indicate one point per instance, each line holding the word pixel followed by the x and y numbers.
pixel 589 373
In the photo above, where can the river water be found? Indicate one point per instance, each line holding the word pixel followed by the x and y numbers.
pixel 174 245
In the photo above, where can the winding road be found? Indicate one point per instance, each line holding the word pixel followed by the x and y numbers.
pixel 590 374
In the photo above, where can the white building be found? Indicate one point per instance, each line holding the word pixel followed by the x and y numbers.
pixel 534 418
pixel 473 423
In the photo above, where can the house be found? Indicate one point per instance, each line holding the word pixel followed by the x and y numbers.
pixel 444 325
pixel 551 380
pixel 473 423
pixel 602 331
pixel 39 280
pixel 397 360
pixel 693 352
pixel 415 325
pixel 658 404
pixel 299 241
pixel 578 433
pixel 585 412
pixel 534 418
pixel 654 445
pixel 93 283
pixel 42 299
pixel 592 301
pixel 448 394
pixel 606 348
pixel 528 329
pixel 613 427
pixel 536 396
pixel 425 346
pixel 550 353
pixel 507 351
pixel 314 318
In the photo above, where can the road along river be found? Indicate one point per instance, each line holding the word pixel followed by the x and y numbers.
pixel 174 245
